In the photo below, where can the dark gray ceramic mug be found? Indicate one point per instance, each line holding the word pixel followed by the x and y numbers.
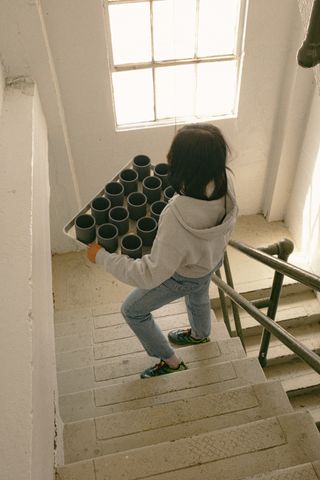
pixel 100 207
pixel 156 209
pixel 119 216
pixel 115 192
pixel 142 165
pixel 151 187
pixel 137 205
pixel 131 245
pixel 161 170
pixel 107 236
pixel 129 179
pixel 168 193
pixel 147 230
pixel 85 226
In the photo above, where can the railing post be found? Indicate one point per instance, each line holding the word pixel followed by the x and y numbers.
pixel 234 306
pixel 224 307
pixel 285 248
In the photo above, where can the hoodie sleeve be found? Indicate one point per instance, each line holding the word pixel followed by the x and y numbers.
pixel 152 269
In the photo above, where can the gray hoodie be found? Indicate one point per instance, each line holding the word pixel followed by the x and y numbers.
pixel 191 240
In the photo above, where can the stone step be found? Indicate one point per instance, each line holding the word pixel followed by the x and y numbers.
pixel 294 374
pixel 255 290
pixel 283 365
pixel 66 321
pixel 307 471
pixel 231 453
pixel 301 383
pixel 142 393
pixel 179 419
pixel 308 334
pixel 307 398
pixel 121 370
pixel 95 345
pixel 293 310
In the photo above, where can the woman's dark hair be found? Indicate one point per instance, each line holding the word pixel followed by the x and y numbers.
pixel 197 156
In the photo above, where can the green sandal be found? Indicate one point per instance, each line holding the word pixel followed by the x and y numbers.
pixel 183 337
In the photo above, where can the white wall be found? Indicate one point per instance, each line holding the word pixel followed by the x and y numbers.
pixel 303 214
pixel 295 101
pixel 28 375
pixel 303 209
pixel 2 85
pixel 44 386
pixel 62 45
pixel 16 323
pixel 273 30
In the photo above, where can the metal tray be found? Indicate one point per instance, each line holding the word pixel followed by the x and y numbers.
pixel 69 228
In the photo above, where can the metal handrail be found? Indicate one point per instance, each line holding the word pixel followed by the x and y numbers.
pixel 291 342
pixel 281 266
pixel 264 255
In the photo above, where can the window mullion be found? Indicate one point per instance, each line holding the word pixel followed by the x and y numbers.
pixel 124 1
pixel 195 91
pixel 152 61
pixel 171 63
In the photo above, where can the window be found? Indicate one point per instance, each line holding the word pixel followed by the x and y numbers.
pixel 174 60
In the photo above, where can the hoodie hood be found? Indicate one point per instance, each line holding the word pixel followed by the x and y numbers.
pixel 206 219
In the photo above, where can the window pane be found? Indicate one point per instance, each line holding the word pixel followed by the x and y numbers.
pixel 218 21
pixel 133 96
pixel 174 29
pixel 175 91
pixel 216 88
pixel 130 32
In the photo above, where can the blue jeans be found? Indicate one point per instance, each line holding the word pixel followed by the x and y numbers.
pixel 139 304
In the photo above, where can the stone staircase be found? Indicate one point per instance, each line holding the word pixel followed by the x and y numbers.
pixel 220 419
pixel 299 314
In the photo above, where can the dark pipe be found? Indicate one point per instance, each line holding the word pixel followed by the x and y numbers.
pixel 309 54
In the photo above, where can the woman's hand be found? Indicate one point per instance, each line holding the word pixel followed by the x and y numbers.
pixel 93 249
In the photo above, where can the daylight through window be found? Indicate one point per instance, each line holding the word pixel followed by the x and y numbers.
pixel 174 60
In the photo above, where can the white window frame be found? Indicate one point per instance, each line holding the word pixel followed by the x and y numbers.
pixel 237 56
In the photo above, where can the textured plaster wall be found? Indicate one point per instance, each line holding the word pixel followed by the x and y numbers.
pixel 2 85
pixel 303 215
pixel 26 328
pixel 44 386
pixel 16 289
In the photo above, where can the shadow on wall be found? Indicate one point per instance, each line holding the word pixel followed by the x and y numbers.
pixel 303 209
pixel 310 239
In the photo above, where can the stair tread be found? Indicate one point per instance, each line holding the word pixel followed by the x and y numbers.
pixel 309 335
pixel 139 393
pixel 102 315
pixel 292 310
pixel 178 419
pixel 260 289
pixel 120 370
pixel 294 374
pixel 299 472
pixel 83 350
pixel 308 400
pixel 242 451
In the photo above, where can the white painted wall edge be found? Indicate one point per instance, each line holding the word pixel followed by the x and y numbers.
pixel 2 86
